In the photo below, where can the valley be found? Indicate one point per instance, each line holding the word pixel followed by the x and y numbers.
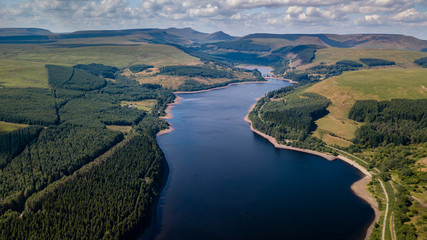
pixel 80 112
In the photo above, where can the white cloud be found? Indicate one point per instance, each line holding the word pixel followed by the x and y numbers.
pixel 240 16
pixel 369 20
pixel 410 15
pixel 209 10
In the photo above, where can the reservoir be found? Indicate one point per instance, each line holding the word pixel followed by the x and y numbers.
pixel 226 182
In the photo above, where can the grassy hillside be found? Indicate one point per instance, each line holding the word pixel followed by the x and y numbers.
pixel 379 41
pixel 190 78
pixel 402 58
pixel 378 84
pixel 6 127
pixel 23 65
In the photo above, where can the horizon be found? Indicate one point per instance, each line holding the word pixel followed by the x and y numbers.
pixel 234 17
pixel 293 33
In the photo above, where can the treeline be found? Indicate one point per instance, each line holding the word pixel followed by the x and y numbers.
pixel 242 45
pixel 99 109
pixel 57 152
pixel 371 62
pixel 14 142
pixel 349 63
pixel 139 67
pixel 111 202
pixel 195 71
pixel 399 121
pixel 422 62
pixel 99 70
pixel 74 78
pixel 76 111
pixel 335 69
pixel 300 77
pixel 288 115
pixel 193 85
pixel 34 106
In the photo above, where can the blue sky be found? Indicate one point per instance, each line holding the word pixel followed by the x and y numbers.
pixel 236 17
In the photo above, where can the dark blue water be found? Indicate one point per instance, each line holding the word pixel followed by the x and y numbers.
pixel 226 182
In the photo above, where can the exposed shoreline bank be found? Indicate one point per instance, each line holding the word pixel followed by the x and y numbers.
pixel 359 188
pixel 169 115
pixel 216 88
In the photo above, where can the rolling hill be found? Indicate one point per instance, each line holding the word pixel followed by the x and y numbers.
pixel 386 41
pixel 376 84
pixel 24 31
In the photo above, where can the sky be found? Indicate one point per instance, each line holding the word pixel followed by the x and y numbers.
pixel 235 17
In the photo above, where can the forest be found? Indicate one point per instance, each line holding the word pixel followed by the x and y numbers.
pixel 372 62
pixel 71 162
pixel 399 121
pixel 393 140
pixel 195 71
pixel 335 69
pixel 111 202
pixel 139 67
pixel 422 62
pixel 289 115
pixel 243 45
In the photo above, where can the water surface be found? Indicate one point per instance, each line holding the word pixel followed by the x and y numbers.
pixel 226 182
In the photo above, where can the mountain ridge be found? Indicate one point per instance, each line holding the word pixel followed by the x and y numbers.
pixel 189 36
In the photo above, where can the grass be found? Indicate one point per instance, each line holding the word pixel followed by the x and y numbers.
pixel 391 198
pixel 273 43
pixel 123 129
pixel 378 84
pixel 402 58
pixel 6 127
pixel 23 65
pixel 386 84
pixel 145 105
pixel 173 82
pixel 329 139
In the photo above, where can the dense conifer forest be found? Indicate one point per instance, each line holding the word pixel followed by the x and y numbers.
pixel 399 121
pixel 288 115
pixel 71 177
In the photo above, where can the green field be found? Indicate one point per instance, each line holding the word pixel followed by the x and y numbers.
pixel 145 105
pixel 23 65
pixel 402 58
pixel 6 127
pixel 378 84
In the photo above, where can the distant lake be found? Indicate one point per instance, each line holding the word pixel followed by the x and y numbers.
pixel 226 182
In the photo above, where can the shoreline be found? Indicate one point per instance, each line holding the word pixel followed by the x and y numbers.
pixel 359 188
pixel 217 88
pixel 283 79
pixel 169 115
pixel 271 69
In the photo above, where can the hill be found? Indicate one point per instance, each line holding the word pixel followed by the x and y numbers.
pixel 187 33
pixel 402 58
pixel 376 84
pixel 386 41
pixel 129 36
pixel 24 31
pixel 22 65
pixel 218 36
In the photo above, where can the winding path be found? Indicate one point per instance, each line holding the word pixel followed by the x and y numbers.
pixel 386 209
pixel 419 201
pixel 385 194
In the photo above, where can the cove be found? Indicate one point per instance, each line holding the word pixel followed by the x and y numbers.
pixel 226 182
